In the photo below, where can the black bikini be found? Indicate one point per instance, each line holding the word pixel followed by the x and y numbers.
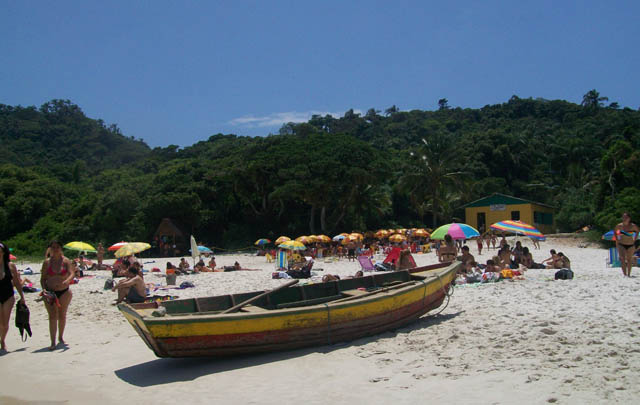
pixel 6 286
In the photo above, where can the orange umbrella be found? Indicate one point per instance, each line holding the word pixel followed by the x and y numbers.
pixel 323 238
pixel 282 239
pixel 356 236
pixel 397 238
pixel 304 239
pixel 421 233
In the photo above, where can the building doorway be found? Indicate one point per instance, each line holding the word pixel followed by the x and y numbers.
pixel 481 222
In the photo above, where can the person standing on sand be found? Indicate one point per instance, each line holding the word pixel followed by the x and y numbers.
pixel 100 254
pixel 9 278
pixel 626 233
pixel 56 275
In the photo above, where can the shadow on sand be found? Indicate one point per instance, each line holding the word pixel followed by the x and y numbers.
pixel 164 371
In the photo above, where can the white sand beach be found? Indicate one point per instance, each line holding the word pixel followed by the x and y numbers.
pixel 530 341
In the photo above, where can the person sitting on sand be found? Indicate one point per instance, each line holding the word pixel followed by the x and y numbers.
pixel 467 259
pixel 563 262
pixel 517 252
pixel 448 252
pixel 132 289
pixel 200 267
pixel 171 269
pixel 526 259
pixel 492 267
pixel 505 257
pixel 548 262
pixel 184 265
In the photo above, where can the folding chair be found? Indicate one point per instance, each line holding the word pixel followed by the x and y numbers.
pixel 366 263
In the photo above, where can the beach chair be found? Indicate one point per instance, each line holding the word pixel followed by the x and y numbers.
pixel 614 259
pixel 366 263
pixel 281 260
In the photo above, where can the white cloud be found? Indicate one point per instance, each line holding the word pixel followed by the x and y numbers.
pixel 278 119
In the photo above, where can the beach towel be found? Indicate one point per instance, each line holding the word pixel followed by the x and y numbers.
pixel 393 255
pixel 614 258
pixel 282 262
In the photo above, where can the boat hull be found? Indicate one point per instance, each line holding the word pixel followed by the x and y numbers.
pixel 284 329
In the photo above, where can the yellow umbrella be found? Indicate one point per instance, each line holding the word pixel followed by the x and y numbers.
pixel 381 234
pixel 132 248
pixel 421 233
pixel 397 238
pixel 323 238
pixel 356 236
pixel 282 239
pixel 313 238
pixel 292 245
pixel 303 239
pixel 80 247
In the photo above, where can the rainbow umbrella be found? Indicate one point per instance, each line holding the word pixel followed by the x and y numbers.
pixel 611 235
pixel 292 245
pixel 518 228
pixel 457 231
pixel 261 242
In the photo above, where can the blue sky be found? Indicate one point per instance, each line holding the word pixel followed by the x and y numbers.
pixel 176 72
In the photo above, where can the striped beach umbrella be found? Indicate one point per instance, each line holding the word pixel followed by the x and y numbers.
pixel 116 246
pixel 261 242
pixel 456 231
pixel 518 228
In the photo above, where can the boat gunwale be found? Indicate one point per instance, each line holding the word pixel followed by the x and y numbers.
pixel 270 313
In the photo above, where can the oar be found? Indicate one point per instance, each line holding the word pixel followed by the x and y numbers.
pixel 257 297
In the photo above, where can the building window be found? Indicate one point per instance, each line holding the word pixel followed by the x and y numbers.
pixel 515 215
pixel 543 218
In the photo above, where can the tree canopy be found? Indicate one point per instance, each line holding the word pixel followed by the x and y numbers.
pixel 71 177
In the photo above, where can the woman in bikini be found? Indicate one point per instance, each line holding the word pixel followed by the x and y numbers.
pixel 56 276
pixel 626 233
pixel 448 252
pixel 9 278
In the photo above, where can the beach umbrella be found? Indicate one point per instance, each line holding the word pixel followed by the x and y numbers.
pixel 346 235
pixel 609 235
pixel 194 249
pixel 338 238
pixel 356 236
pixel 421 233
pixel 12 257
pixel 132 248
pixel 116 246
pixel 323 238
pixel 457 231
pixel 381 234
pixel 80 247
pixel 518 228
pixel 282 239
pixel 204 249
pixel 312 238
pixel 397 238
pixel 292 245
pixel 261 242
pixel 303 239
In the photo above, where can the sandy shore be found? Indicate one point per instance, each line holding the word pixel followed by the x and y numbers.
pixel 530 341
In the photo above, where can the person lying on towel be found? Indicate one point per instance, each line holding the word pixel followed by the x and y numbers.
pixel 132 289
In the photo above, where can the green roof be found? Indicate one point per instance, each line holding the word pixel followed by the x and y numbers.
pixel 498 198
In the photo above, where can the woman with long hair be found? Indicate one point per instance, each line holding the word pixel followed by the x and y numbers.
pixel 56 277
pixel 9 278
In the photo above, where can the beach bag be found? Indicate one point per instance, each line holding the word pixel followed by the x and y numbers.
pixel 564 274
pixel 22 320
pixel 108 284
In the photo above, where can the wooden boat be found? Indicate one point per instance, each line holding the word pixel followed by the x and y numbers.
pixel 290 317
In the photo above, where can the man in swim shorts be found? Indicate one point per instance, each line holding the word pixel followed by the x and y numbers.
pixel 133 289
pixel 626 233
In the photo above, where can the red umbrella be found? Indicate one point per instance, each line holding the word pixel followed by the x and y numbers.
pixel 116 246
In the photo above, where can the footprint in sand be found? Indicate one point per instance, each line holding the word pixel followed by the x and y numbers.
pixel 378 379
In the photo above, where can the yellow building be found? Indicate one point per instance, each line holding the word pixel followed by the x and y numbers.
pixel 482 213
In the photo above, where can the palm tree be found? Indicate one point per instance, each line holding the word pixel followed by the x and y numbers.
pixel 593 100
pixel 431 175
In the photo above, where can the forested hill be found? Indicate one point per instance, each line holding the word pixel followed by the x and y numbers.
pixel 67 176
pixel 58 134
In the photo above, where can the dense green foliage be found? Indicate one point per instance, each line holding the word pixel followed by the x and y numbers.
pixel 68 176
